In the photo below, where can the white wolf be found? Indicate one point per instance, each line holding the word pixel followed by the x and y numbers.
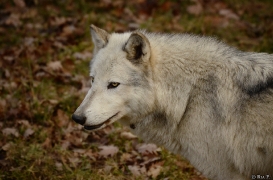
pixel 198 97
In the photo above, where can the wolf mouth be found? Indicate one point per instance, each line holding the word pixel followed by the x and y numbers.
pixel 99 125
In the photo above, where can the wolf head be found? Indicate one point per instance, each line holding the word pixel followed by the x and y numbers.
pixel 121 76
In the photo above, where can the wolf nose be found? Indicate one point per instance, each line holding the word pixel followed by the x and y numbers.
pixel 79 119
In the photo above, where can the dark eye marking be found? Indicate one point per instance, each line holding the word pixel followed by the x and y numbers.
pixel 112 85
pixel 92 79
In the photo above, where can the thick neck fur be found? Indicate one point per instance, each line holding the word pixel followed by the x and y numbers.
pixel 178 68
pixel 185 64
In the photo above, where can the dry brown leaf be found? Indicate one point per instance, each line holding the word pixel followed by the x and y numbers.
pixel 29 41
pixel 90 154
pixel 228 14
pixel 7 146
pixel 62 118
pixel 150 161
pixel 55 66
pixel 9 58
pixel 216 21
pixel 195 9
pixel 28 132
pixel 46 143
pixel 79 151
pixel 147 149
pixel 19 3
pixel 126 157
pixel 59 166
pixel 68 30
pixel 10 131
pixel 74 161
pixel 58 45
pixel 13 20
pixel 53 101
pixel 74 139
pixel 7 73
pixel 10 85
pixel 154 170
pixel 65 145
pixel 107 169
pixel 107 151
pixel 68 65
pixel 30 13
pixel 135 170
pixel 3 104
pixel 24 123
pixel 181 164
pixel 82 55
pixel 127 135
pixel 58 21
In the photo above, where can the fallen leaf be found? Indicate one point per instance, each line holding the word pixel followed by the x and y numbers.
pixel 47 143
pixel 150 161
pixel 74 139
pixel 28 132
pixel 68 30
pixel 228 14
pixel 19 3
pixel 90 154
pixel 126 157
pixel 216 21
pixel 29 41
pixel 59 166
pixel 74 161
pixel 80 151
pixel 147 149
pixel 3 105
pixel 82 55
pixel 58 45
pixel 9 58
pixel 182 164
pixel 58 21
pixel 154 170
pixel 24 122
pixel 107 151
pixel 62 118
pixel 127 135
pixel 195 9
pixel 14 20
pixel 107 169
pixel 68 65
pixel 7 146
pixel 53 101
pixel 135 170
pixel 65 145
pixel 7 73
pixel 10 131
pixel 55 66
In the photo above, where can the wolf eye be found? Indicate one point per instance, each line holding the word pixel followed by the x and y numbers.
pixel 112 85
pixel 92 79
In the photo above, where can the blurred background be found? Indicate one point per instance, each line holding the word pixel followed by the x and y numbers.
pixel 45 50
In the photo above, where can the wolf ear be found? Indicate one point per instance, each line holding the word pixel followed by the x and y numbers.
pixel 99 37
pixel 137 48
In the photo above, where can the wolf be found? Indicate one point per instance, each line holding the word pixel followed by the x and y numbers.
pixel 194 95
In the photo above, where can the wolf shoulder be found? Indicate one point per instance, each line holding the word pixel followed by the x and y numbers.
pixel 251 71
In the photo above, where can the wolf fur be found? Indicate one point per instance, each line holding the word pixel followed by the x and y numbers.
pixel 194 95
